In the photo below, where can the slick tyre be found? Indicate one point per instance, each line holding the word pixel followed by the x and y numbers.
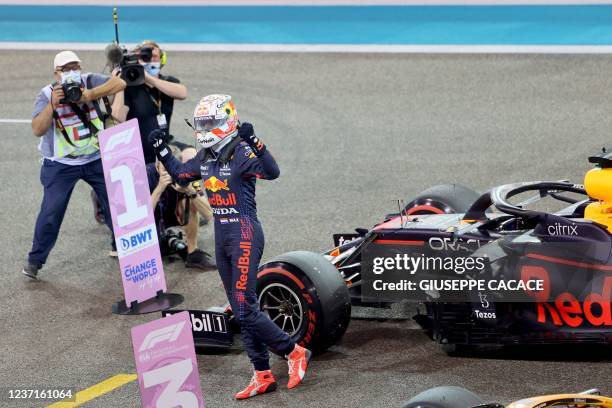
pixel 444 397
pixel 303 294
pixel 442 199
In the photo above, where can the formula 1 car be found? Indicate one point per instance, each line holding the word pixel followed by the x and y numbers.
pixel 310 295
pixel 457 397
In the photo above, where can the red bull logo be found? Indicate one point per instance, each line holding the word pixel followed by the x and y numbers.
pixel 218 201
pixel 566 309
pixel 243 265
pixel 214 184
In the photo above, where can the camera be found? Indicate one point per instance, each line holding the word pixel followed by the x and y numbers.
pixel 171 242
pixel 72 92
pixel 131 70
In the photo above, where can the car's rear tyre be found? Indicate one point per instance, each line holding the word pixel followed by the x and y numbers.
pixel 444 397
pixel 442 199
pixel 304 294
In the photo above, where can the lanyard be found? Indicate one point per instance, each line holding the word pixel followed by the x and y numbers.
pixel 156 102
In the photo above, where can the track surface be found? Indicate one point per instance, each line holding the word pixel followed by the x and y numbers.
pixel 351 134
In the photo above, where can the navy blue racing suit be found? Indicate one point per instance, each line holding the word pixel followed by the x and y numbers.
pixel 239 238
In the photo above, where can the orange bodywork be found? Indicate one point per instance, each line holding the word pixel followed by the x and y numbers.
pixel 564 400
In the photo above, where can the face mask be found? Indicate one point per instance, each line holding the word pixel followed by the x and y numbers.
pixel 71 76
pixel 153 68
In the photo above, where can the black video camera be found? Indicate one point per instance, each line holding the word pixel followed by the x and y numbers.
pixel 131 70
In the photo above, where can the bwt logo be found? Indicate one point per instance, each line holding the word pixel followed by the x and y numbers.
pixel 121 138
pixel 165 334
pixel 137 240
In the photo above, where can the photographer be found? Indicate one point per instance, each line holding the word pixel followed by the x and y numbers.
pixel 153 102
pixel 177 205
pixel 68 119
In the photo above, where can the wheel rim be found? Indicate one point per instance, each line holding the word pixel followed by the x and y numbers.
pixel 283 307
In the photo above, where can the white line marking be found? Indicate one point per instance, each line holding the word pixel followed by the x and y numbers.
pixel 15 121
pixel 300 2
pixel 337 48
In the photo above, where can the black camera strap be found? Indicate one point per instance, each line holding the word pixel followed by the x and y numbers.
pixel 84 118
pixel 107 105
pixel 62 128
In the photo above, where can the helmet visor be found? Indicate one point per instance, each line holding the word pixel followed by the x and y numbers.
pixel 207 123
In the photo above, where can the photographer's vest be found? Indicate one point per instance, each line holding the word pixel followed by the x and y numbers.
pixel 76 130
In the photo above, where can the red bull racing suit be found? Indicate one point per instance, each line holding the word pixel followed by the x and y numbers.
pixel 229 179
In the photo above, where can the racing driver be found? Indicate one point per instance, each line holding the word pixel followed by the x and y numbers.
pixel 231 160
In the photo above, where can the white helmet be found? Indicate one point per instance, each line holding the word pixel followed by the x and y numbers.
pixel 215 119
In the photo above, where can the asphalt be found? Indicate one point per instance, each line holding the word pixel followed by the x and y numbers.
pixel 352 133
